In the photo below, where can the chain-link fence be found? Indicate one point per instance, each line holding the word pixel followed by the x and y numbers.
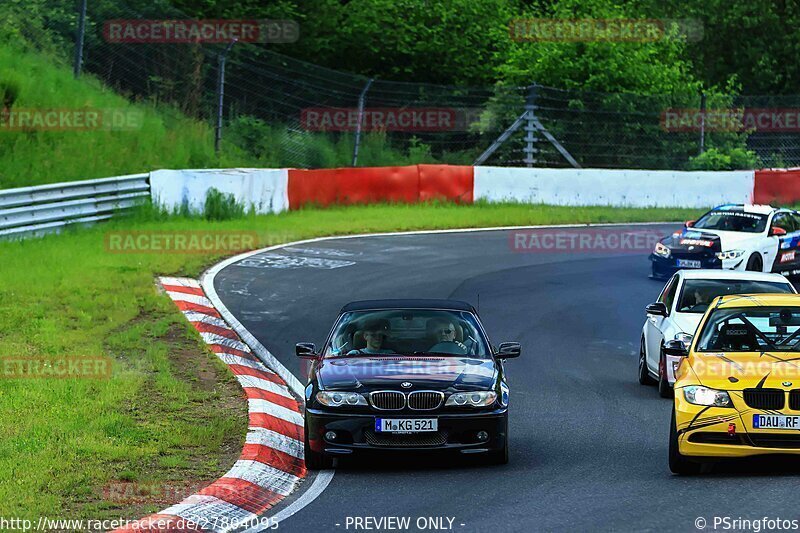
pixel 297 114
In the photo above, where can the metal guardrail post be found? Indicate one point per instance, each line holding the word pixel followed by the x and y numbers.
pixel 79 38
pixel 221 94
pixel 530 127
pixel 702 122
pixel 361 99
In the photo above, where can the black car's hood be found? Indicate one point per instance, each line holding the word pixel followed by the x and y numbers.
pixel 692 240
pixel 389 371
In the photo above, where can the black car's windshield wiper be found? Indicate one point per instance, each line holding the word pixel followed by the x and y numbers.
pixel 451 354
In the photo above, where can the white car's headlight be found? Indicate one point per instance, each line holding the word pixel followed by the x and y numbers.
pixel 338 399
pixel 661 250
pixel 472 399
pixel 700 395
pixel 730 254
pixel 685 338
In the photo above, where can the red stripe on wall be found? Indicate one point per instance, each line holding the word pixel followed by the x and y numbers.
pixel 211 328
pixel 777 186
pixel 241 370
pixel 278 425
pixel 189 306
pixel 261 394
pixel 243 494
pixel 221 348
pixel 197 291
pixel 446 182
pixel 362 185
pixel 275 458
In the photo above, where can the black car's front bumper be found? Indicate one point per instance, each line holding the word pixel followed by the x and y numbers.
pixel 664 267
pixel 355 432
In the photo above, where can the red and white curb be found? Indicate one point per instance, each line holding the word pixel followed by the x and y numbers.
pixel 271 465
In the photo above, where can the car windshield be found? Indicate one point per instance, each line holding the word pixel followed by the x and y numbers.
pixel 408 331
pixel 698 293
pixel 732 221
pixel 751 329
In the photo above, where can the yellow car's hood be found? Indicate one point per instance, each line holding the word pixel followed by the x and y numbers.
pixel 743 370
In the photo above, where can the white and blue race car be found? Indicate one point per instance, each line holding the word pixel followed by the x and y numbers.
pixel 758 238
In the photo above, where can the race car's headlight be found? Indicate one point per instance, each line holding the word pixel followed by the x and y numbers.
pixel 730 254
pixel 685 338
pixel 661 250
pixel 471 399
pixel 338 399
pixel 700 395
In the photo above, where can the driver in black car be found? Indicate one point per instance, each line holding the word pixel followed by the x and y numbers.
pixel 444 332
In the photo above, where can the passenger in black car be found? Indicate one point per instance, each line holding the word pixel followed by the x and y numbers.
pixel 373 334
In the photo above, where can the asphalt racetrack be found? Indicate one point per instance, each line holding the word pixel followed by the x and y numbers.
pixel 588 443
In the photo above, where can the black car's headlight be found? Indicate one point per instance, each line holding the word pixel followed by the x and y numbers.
pixel 661 250
pixel 699 395
pixel 338 399
pixel 471 399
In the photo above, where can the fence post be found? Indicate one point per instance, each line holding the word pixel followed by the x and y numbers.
pixel 530 126
pixel 361 98
pixel 702 122
pixel 221 94
pixel 77 65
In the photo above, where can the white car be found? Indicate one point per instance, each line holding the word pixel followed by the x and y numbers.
pixel 758 238
pixel 679 308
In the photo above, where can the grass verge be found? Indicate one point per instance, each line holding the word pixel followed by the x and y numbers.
pixel 170 414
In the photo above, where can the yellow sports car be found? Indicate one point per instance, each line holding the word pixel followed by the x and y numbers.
pixel 737 389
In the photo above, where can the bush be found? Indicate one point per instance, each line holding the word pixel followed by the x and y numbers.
pixel 733 159
pixel 221 206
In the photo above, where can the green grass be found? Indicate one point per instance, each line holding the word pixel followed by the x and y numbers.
pixel 163 138
pixel 171 412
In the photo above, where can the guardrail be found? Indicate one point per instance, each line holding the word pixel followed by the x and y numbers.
pixel 33 211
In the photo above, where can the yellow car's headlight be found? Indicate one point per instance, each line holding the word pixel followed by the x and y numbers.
pixel 699 395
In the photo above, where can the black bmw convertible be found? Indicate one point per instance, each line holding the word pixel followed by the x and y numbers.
pixel 406 375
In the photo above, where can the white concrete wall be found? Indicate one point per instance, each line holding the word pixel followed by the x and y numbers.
pixel 264 189
pixel 623 188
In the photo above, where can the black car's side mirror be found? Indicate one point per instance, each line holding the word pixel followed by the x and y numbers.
pixel 675 348
pixel 508 350
pixel 305 350
pixel 657 308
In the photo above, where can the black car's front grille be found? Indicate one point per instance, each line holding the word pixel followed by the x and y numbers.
pixel 425 400
pixel 775 440
pixel 413 440
pixel 794 400
pixel 685 254
pixel 388 400
pixel 774 399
